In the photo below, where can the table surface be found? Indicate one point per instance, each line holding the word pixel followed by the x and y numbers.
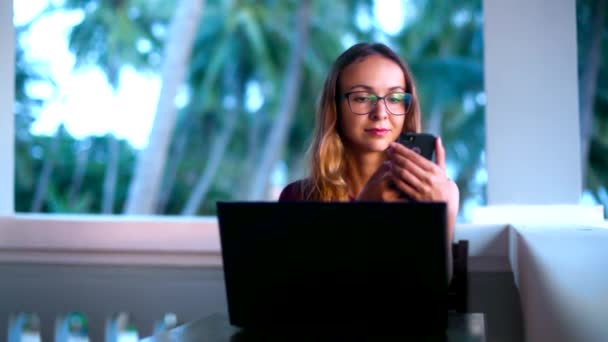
pixel 468 327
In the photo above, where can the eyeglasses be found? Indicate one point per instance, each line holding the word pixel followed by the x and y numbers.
pixel 364 102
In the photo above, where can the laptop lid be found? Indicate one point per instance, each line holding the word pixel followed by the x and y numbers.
pixel 319 265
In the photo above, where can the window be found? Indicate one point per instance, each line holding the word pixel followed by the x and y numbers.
pixel 91 117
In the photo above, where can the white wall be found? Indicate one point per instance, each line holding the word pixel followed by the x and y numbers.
pixel 7 135
pixel 561 278
pixel 532 117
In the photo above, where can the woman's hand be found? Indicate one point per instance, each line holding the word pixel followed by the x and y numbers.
pixel 423 180
pixel 379 187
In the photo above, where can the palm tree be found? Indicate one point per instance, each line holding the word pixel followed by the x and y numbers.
pixel 247 27
pixel 105 38
pixel 220 142
pixel 291 85
pixel 45 178
pixel 144 189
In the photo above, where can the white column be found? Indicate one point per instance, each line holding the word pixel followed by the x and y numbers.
pixel 532 113
pixel 7 94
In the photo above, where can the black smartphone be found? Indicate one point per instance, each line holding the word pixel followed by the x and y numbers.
pixel 421 143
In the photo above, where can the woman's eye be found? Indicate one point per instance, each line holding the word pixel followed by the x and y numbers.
pixel 396 98
pixel 362 98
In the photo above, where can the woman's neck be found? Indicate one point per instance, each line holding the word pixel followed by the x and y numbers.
pixel 361 167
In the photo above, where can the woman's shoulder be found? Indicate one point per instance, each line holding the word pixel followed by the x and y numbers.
pixel 296 191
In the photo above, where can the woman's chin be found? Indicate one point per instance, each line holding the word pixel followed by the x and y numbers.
pixel 369 146
pixel 377 146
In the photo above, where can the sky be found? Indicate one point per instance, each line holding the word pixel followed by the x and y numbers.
pixel 84 101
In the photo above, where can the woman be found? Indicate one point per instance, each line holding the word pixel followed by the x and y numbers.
pixel 368 99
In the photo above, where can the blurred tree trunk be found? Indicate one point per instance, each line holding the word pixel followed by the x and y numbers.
pixel 175 158
pixel 219 145
pixel 113 146
pixel 253 145
pixel 467 187
pixel 288 100
pixel 218 149
pixel 80 169
pixel 42 186
pixel 111 174
pixel 144 188
pixel 588 78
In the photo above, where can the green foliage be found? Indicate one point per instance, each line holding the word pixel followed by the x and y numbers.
pixel 443 45
pixel 111 32
pixel 597 175
pixel 65 159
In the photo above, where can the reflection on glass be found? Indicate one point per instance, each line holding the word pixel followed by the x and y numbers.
pixel 24 327
pixel 73 327
pixel 168 321
pixel 120 328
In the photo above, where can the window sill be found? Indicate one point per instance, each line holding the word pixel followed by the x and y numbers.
pixel 176 241
pixel 100 239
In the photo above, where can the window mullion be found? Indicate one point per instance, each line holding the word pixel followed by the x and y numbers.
pixel 7 116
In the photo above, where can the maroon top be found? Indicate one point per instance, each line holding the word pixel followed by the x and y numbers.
pixel 293 192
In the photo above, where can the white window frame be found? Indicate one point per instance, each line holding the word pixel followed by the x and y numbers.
pixel 7 95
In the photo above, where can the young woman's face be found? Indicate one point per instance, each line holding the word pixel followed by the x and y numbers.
pixel 372 76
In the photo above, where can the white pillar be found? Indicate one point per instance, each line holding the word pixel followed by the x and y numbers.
pixel 7 115
pixel 532 113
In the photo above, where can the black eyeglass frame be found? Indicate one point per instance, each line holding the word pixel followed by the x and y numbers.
pixel 383 98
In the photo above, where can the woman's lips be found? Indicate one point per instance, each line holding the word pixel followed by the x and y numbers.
pixel 377 131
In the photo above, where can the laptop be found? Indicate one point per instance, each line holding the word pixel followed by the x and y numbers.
pixel 352 268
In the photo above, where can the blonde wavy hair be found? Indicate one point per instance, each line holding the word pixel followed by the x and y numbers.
pixel 327 156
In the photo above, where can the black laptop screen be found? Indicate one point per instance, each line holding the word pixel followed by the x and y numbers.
pixel 334 264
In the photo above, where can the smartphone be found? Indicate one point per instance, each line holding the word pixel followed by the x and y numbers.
pixel 421 143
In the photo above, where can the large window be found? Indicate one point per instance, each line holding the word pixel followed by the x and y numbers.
pixel 96 132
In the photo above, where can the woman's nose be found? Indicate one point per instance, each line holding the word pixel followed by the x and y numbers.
pixel 380 112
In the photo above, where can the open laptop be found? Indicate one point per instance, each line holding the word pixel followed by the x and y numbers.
pixel 353 268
